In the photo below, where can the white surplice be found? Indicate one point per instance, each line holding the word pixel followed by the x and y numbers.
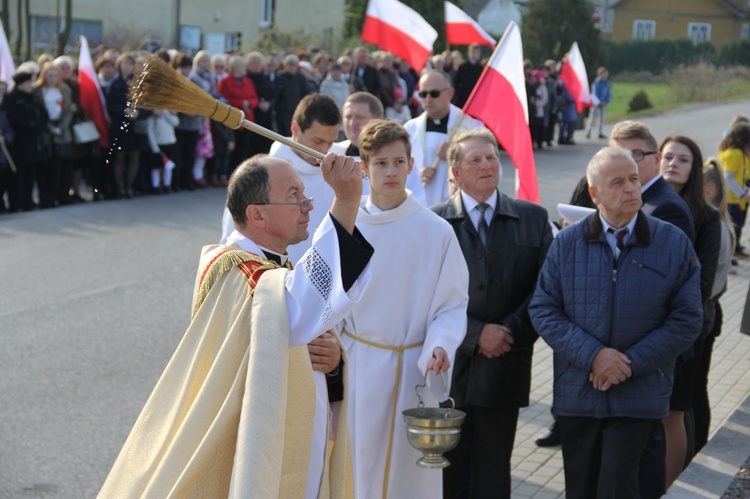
pixel 424 151
pixel 418 293
pixel 315 301
pixel 193 438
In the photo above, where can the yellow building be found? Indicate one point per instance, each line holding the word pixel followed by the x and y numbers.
pixel 217 25
pixel 717 21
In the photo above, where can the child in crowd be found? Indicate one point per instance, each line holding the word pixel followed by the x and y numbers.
pixel 399 112
pixel 161 138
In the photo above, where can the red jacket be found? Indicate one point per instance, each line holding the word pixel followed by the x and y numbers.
pixel 236 94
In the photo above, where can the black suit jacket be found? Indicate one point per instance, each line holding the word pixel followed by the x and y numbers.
pixel 371 79
pixel 662 202
pixel 467 76
pixel 501 282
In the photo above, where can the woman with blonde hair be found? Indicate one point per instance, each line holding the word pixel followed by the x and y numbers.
pixel 734 156
pixel 125 146
pixel 682 167
pixel 58 102
pixel 715 191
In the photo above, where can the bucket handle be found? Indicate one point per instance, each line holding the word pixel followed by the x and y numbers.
pixel 445 391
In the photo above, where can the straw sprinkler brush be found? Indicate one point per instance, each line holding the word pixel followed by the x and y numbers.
pixel 159 86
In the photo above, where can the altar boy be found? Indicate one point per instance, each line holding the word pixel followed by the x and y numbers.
pixel 411 319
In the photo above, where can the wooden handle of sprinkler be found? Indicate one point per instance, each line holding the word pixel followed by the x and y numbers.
pixel 254 127
pixel 234 118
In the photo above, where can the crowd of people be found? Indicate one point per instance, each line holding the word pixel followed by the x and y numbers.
pixel 628 303
pixel 161 152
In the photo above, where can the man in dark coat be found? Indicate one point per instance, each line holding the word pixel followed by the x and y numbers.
pixel 366 72
pixel 267 96
pixel 28 118
pixel 467 75
pixel 504 242
pixel 291 87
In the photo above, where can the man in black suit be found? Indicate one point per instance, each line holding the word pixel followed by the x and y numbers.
pixel 467 75
pixel 659 199
pixel 504 242
pixel 366 72
pixel 267 99
pixel 662 202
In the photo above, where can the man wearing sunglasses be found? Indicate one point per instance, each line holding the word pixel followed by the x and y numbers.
pixel 430 133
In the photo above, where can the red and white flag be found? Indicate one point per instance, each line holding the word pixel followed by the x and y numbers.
pixel 499 100
pixel 461 29
pixel 573 75
pixel 399 29
pixel 7 68
pixel 91 97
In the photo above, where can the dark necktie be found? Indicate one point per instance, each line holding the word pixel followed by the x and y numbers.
pixel 620 235
pixel 482 225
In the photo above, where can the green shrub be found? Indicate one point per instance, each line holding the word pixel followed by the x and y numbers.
pixel 656 56
pixel 639 102
pixel 735 54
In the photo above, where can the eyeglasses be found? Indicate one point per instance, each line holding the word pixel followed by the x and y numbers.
pixel 432 93
pixel 304 205
pixel 638 155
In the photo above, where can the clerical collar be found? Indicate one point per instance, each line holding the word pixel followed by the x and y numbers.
pixel 352 151
pixel 279 259
pixel 440 126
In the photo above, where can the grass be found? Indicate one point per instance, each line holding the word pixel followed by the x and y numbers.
pixel 680 87
pixel 659 94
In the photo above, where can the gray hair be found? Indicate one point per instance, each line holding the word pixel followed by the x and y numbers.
pixel 248 185
pixel 63 60
pixel 481 134
pixel 604 157
pixel 291 60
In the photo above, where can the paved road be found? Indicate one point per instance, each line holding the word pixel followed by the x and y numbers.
pixel 96 297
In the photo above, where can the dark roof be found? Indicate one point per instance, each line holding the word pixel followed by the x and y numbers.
pixel 474 7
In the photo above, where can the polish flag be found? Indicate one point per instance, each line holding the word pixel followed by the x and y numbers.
pixel 394 27
pixel 91 97
pixel 7 68
pixel 573 75
pixel 499 100
pixel 461 29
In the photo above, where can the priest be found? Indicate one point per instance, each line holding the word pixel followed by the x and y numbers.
pixel 411 320
pixel 238 412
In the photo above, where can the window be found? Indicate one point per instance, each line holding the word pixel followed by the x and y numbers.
pixel 699 32
pixel 44 31
pixel 266 13
pixel 745 31
pixel 644 30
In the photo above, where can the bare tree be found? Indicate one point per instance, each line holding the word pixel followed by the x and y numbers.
pixel 19 15
pixel 27 19
pixel 4 17
pixel 64 35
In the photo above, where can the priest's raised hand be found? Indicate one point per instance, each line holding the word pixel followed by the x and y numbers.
pixel 344 175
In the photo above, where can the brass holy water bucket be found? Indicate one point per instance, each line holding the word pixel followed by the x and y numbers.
pixel 433 430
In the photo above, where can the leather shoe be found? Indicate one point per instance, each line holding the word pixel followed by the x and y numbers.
pixel 549 438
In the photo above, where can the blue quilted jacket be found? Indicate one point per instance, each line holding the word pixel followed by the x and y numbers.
pixel 648 307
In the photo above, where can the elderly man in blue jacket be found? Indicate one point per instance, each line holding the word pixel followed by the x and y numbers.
pixel 618 300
